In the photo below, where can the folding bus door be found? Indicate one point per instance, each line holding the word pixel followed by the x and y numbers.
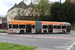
pixel 28 28
pixel 50 29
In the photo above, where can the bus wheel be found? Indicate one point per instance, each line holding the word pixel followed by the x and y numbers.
pixel 22 32
pixel 63 31
pixel 45 32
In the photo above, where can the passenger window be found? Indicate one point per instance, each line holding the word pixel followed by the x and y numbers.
pixel 63 27
pixel 58 27
pixel 21 26
pixel 55 27
pixel 33 26
pixel 44 26
pixel 28 26
pixel 50 26
pixel 15 26
pixel 10 26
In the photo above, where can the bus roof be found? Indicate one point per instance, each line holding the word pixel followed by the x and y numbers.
pixel 22 22
pixel 52 23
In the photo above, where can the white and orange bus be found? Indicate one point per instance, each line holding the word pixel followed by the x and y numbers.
pixel 22 26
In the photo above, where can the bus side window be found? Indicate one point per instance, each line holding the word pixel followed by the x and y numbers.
pixel 55 27
pixel 33 26
pixel 50 26
pixel 10 26
pixel 63 27
pixel 45 26
pixel 15 26
pixel 58 27
pixel 21 26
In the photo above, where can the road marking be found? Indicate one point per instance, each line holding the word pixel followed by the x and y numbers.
pixel 41 36
pixel 71 46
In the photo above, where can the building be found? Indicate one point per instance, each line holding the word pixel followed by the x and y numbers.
pixel 20 10
pixel 16 10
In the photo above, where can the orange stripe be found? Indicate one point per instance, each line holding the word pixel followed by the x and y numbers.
pixel 52 23
pixel 22 22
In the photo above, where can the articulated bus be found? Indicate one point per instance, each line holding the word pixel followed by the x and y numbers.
pixel 22 26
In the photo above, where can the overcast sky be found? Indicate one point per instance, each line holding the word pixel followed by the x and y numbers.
pixel 5 5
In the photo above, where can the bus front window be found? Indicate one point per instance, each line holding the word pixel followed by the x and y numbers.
pixel 68 28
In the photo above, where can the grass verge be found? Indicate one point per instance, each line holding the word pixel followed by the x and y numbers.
pixel 8 46
pixel 3 31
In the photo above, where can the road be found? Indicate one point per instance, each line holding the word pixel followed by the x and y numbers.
pixel 50 41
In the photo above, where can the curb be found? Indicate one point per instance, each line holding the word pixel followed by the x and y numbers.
pixel 39 48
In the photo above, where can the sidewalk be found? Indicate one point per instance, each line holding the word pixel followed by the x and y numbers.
pixel 39 48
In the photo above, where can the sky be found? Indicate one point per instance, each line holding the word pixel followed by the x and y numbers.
pixel 5 5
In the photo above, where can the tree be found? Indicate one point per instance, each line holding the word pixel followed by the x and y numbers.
pixel 64 12
pixel 69 9
pixel 43 7
pixel 55 9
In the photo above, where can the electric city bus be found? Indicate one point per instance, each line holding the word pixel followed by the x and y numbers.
pixel 22 26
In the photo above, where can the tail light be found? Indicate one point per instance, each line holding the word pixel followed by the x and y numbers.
pixel 7 27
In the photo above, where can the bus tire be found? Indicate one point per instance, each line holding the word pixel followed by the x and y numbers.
pixel 21 32
pixel 63 31
pixel 45 32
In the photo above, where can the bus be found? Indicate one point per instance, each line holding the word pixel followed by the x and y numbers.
pixel 22 26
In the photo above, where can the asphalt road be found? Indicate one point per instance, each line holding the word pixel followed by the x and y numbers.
pixel 50 41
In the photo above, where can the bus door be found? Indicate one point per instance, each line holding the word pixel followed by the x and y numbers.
pixel 50 29
pixel 28 28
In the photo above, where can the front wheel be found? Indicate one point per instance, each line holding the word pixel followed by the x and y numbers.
pixel 63 31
